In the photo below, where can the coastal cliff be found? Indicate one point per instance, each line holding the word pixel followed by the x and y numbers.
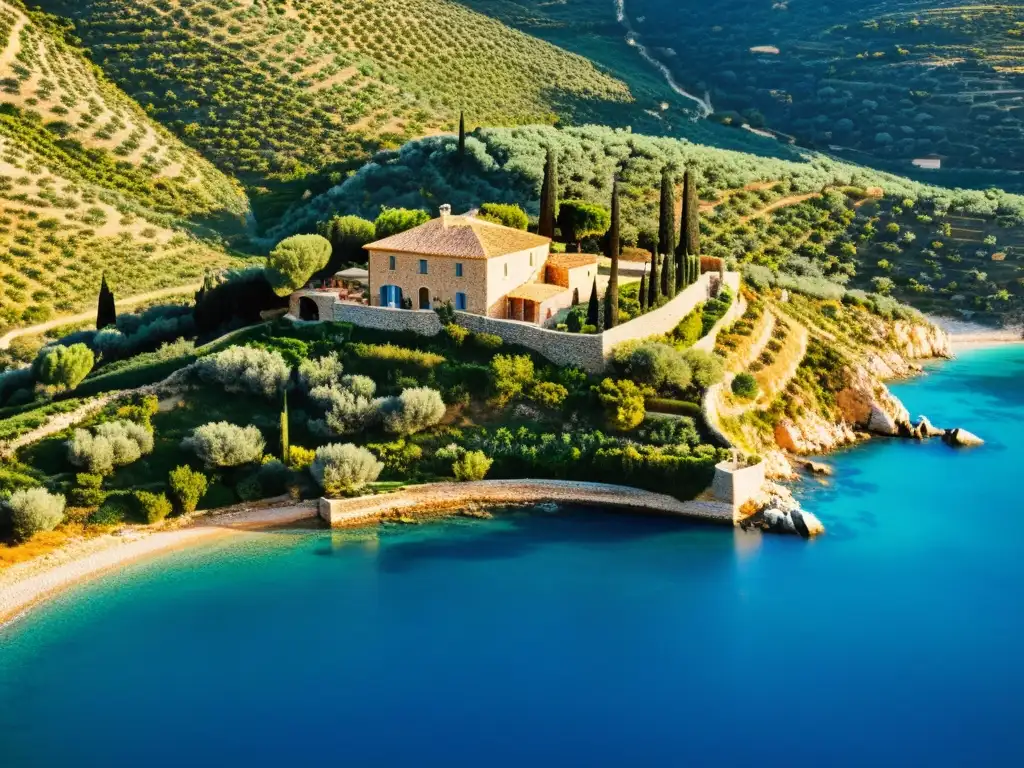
pixel 838 394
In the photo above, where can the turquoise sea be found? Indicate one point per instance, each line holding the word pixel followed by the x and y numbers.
pixel 572 638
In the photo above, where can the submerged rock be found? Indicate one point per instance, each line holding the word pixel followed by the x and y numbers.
pixel 961 438
pixel 779 512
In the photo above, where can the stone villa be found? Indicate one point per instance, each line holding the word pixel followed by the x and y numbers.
pixel 479 266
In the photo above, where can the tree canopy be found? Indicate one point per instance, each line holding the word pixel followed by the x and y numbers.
pixel 394 220
pixel 579 219
pixel 295 260
pixel 506 214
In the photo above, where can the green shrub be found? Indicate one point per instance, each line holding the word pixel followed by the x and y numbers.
pixel 623 401
pixel 33 510
pixel 391 353
pixel 745 386
pixel 114 444
pixel 300 458
pixel 249 488
pixel 393 221
pixel 273 477
pixel 456 334
pixel 548 394
pixel 487 341
pixel 507 215
pixel 690 328
pixel 64 368
pixel 322 372
pixel 398 457
pixel 677 407
pixel 220 444
pixel 707 368
pixel 155 507
pixel 413 411
pixel 511 375
pixel 187 488
pixel 113 511
pixel 344 469
pixel 657 365
pixel 246 369
pixel 471 465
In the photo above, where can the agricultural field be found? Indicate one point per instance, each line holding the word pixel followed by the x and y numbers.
pixel 281 89
pixel 882 83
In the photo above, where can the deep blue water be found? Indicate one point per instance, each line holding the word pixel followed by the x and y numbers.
pixel 572 638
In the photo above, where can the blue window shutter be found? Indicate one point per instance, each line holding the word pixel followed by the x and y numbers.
pixel 391 262
pixel 460 301
pixel 458 269
pixel 423 266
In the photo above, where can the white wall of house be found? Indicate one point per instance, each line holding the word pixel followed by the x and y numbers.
pixel 506 273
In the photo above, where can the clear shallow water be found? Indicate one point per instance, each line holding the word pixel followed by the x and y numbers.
pixel 576 638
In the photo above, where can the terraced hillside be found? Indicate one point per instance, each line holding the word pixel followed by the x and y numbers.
pixel 90 184
pixel 881 82
pixel 280 88
pixel 825 228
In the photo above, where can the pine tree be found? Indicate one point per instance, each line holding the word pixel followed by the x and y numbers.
pixel 594 308
pixel 611 297
pixel 654 284
pixel 689 239
pixel 285 447
pixel 462 134
pixel 106 308
pixel 643 290
pixel 549 197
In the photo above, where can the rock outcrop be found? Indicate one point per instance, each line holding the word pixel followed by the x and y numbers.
pixel 779 512
pixel 961 438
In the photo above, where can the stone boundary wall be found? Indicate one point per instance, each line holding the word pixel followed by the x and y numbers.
pixel 588 351
pixel 425 322
pixel 438 497
pixel 661 320
pixel 584 350
pixel 736 310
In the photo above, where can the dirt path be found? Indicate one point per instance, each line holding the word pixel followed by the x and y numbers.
pixel 783 202
pixel 81 317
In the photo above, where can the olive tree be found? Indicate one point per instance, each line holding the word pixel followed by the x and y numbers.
pixel 579 219
pixel 295 260
pixel 33 510
pixel 62 368
pixel 344 469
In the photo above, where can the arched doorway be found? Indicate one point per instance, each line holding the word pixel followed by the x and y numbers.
pixel 424 298
pixel 308 310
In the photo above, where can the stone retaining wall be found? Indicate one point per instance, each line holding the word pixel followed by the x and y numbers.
pixel 588 351
pixel 583 350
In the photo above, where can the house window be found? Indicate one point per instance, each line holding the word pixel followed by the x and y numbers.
pixel 391 262
pixel 458 269
pixel 531 258
pixel 460 301
pixel 423 266
pixel 506 269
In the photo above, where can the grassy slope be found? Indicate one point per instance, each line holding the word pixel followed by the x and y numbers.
pixel 89 183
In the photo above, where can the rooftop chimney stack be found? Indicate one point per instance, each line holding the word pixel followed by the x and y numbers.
pixel 446 211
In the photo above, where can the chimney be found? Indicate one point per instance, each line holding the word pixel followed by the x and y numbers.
pixel 446 211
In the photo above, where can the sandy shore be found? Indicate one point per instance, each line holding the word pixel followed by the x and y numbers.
pixel 27 584
pixel 965 335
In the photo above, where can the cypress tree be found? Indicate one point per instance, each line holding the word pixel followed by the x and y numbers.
pixel 549 197
pixel 462 134
pixel 690 230
pixel 643 291
pixel 667 216
pixel 285 447
pixel 611 297
pixel 594 308
pixel 106 309
pixel 654 284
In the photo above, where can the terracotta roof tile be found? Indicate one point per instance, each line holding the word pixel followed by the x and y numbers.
pixel 572 260
pixel 460 236
pixel 536 291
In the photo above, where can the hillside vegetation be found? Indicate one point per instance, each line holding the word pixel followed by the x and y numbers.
pixel 90 184
pixel 278 88
pixel 878 82
pixel 818 225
